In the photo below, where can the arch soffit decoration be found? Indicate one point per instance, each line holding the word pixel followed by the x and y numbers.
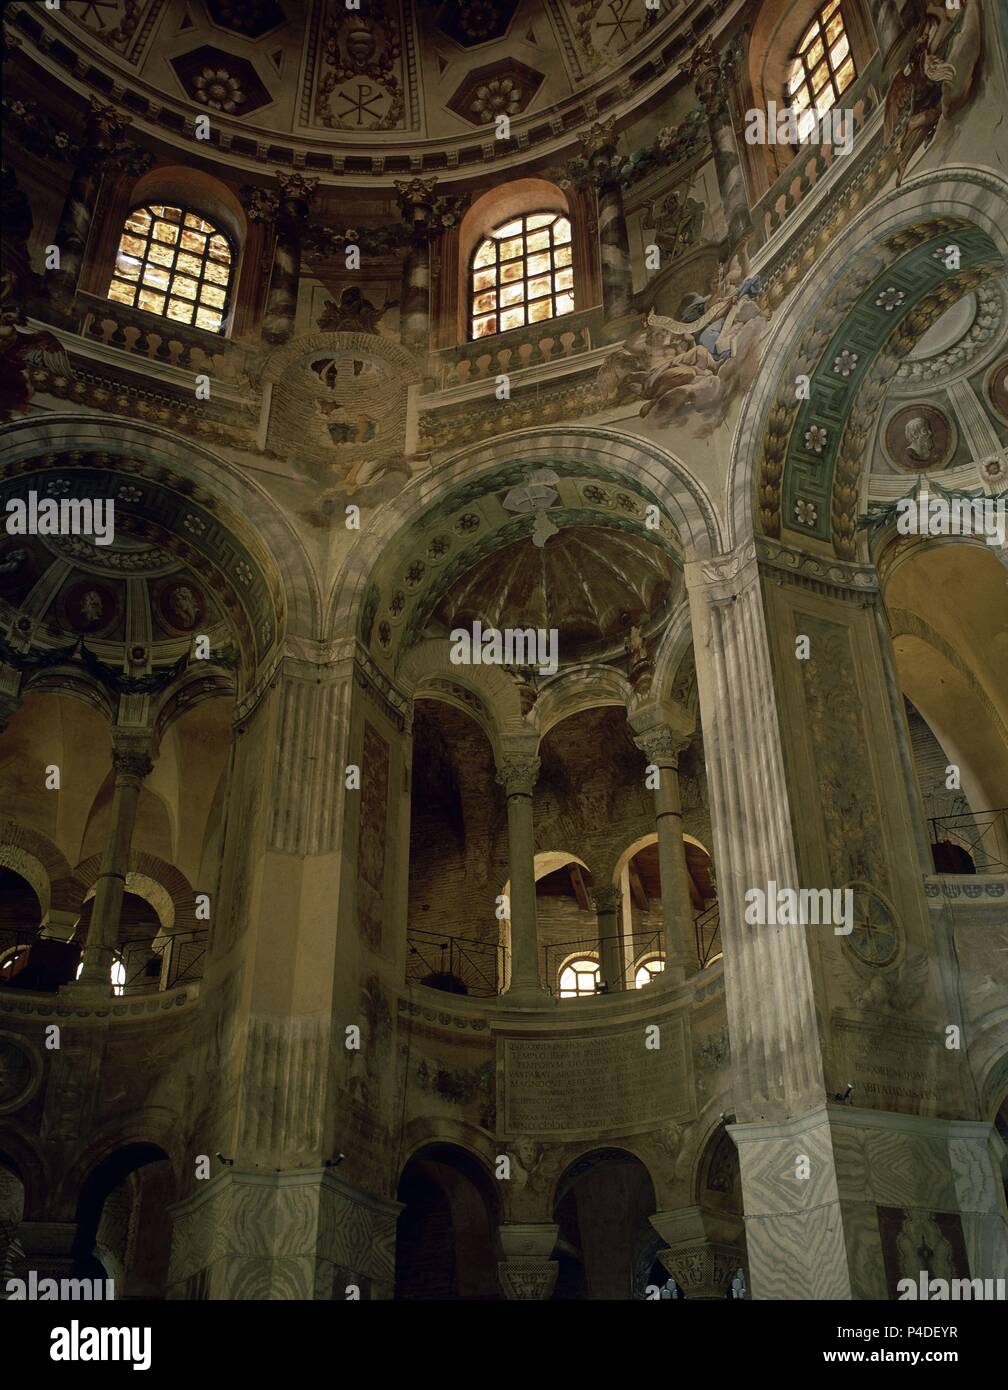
pixel 253 528
pixel 692 528
pixel 486 693
pixel 891 245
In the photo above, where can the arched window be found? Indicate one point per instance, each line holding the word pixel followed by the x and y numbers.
pixel 647 970
pixel 823 67
pixel 579 977
pixel 175 263
pixel 521 273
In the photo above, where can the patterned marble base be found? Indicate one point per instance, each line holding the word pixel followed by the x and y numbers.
pixel 305 1235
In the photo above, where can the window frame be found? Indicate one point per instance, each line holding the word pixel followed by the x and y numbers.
pixel 820 22
pixel 172 270
pixel 554 291
pixel 652 958
pixel 571 963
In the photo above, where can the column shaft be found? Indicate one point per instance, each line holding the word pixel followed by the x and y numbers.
pixel 131 768
pixel 614 250
pixel 610 942
pixel 414 312
pixel 280 316
pixel 677 904
pixel 517 776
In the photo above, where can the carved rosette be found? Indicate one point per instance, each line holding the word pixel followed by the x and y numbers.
pixel 527 1277
pixel 704 1270
pixel 518 775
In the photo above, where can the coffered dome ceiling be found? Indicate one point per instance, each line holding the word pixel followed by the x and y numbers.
pixel 408 71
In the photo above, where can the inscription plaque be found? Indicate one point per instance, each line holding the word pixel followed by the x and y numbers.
pixel 584 1085
pixel 895 1068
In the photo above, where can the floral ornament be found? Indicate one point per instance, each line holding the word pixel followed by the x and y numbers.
pixel 384 634
pixel 129 493
pixel 469 522
pixel 415 573
pixel 624 500
pixel 890 299
pixel 59 487
pixel 815 438
pixel 243 572
pixel 595 494
pixel 845 363
pixel 397 603
pixel 438 547
pixel 218 89
pixel 194 525
pixel 499 96
pixel 806 512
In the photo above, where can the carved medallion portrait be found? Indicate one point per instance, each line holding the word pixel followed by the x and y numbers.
pixel 920 439
pixel 181 606
pixel 91 607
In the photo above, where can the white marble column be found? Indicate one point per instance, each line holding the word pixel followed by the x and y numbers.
pixel 517 774
pixel 661 746
pixel 132 761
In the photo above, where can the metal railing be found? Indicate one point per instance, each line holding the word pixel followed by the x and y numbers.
pixel 457 965
pixel 980 835
pixel 632 950
pixel 708 935
pixel 146 971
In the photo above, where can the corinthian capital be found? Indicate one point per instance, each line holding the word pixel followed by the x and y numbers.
pixel 517 774
pixel 712 73
pixel 605 899
pixel 296 189
pixel 661 744
pixel 132 755
pixel 105 125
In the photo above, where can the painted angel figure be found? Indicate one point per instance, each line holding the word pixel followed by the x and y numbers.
pixel 937 79
pixel 710 352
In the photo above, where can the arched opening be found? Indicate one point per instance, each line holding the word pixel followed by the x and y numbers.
pixel 20 919
pixel 455 938
pixel 606 1243
pixel 446 1236
pixel 947 608
pixel 124 1223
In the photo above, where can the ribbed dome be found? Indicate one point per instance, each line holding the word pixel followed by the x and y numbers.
pixel 590 583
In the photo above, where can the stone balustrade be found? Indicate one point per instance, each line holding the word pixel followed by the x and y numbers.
pixel 536 345
pixel 159 339
pixel 815 162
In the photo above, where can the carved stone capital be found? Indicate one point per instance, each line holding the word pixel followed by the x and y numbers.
pixel 598 139
pixel 703 1270
pixel 132 756
pixel 296 191
pixel 661 745
pixel 517 774
pixel 712 73
pixel 527 1277
pixel 105 126
pixel 605 899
